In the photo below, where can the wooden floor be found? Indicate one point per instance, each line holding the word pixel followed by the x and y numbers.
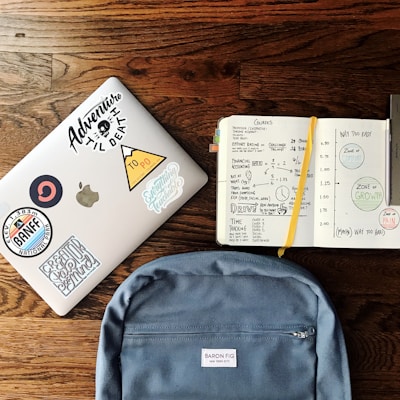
pixel 191 62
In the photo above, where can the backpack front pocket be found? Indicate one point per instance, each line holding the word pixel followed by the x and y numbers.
pixel 210 362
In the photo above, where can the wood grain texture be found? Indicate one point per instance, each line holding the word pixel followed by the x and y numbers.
pixel 189 63
pixel 38 345
pixel 381 11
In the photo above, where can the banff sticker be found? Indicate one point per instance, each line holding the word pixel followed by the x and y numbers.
pixel 164 189
pixel 101 128
pixel 27 232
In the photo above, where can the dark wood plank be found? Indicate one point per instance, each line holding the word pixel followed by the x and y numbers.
pixel 322 87
pixel 171 37
pixel 184 77
pixel 25 70
pixel 38 345
pixel 380 12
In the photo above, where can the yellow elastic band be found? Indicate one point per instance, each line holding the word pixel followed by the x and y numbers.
pixel 300 187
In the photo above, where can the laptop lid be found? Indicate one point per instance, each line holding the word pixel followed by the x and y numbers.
pixel 90 193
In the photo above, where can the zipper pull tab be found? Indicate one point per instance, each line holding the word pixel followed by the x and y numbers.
pixel 304 334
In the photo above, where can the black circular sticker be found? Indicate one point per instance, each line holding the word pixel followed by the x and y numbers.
pixel 46 191
pixel 27 232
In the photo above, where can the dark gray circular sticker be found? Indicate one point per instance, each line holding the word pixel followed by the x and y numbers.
pixel 46 191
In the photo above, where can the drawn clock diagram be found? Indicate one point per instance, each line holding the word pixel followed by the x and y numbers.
pixel 282 193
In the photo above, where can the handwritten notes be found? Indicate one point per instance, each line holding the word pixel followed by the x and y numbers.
pixel 343 205
pixel 352 204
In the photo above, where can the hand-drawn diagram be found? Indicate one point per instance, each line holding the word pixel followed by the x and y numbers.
pixel 282 193
pixel 351 156
pixel 345 193
pixel 267 186
pixel 354 157
pixel 389 218
pixel 367 194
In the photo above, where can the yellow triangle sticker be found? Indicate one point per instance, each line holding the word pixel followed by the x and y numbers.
pixel 139 164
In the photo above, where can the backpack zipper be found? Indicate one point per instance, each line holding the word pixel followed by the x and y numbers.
pixel 305 334
pixel 299 334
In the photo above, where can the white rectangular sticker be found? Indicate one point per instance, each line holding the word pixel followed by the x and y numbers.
pixel 218 358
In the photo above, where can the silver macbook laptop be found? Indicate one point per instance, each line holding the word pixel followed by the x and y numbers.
pixel 90 193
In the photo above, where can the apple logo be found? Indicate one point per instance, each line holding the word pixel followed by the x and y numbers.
pixel 86 197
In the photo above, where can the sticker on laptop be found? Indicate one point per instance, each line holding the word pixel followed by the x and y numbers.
pixel 164 189
pixel 139 164
pixel 46 191
pixel 101 128
pixel 69 266
pixel 27 232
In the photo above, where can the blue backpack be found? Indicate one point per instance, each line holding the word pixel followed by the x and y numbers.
pixel 220 325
